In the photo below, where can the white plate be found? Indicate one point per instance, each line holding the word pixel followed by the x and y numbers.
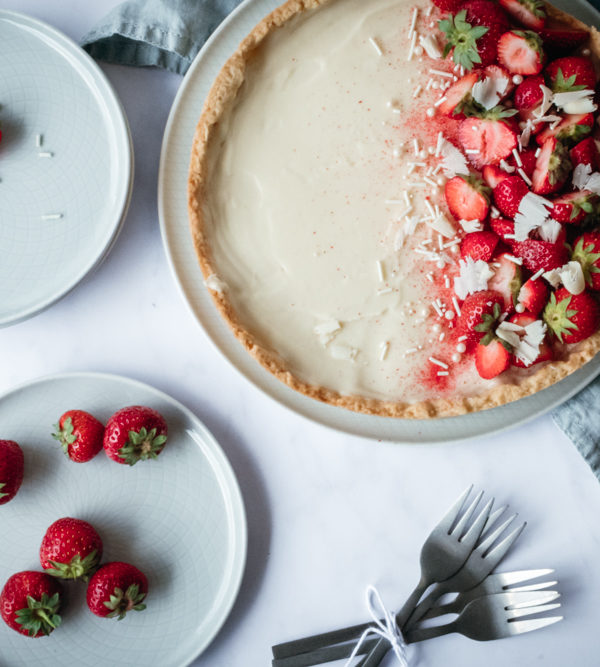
pixel 50 87
pixel 176 236
pixel 179 518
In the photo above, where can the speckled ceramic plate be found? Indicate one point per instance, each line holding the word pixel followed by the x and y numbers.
pixel 179 518
pixel 173 176
pixel 66 166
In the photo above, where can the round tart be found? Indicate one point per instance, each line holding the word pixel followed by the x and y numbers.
pixel 392 213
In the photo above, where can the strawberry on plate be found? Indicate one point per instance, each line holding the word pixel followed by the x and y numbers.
pixel 586 152
pixel 468 197
pixel 30 602
pixel 479 245
pixel 545 353
pixel 527 161
pixel 521 52
pixel 135 433
pixel 11 470
pixel 571 129
pixel 561 40
pixel 552 168
pixel 572 317
pixel 71 549
pixel 458 96
pixel 533 296
pixel 571 73
pixel 586 251
pixel 573 207
pixel 538 254
pixel 491 358
pixel 478 313
pixel 507 280
pixel 115 589
pixel 528 95
pixel 448 5
pixel 493 175
pixel 530 13
pixel 508 195
pixel 80 435
pixel 487 140
pixel 502 227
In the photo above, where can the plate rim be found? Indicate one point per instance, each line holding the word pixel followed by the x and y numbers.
pixel 232 492
pixel 120 124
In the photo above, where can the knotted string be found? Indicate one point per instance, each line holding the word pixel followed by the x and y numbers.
pixel 388 630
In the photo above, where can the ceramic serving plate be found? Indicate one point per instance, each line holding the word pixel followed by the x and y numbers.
pixel 66 166
pixel 179 518
pixel 173 173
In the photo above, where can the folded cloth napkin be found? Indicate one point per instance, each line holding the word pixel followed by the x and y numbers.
pixel 160 33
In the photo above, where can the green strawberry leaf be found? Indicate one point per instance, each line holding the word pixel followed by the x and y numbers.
pixel 462 37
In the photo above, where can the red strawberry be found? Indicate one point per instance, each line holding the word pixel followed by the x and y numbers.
pixel 458 95
pixel 135 433
pixel 552 167
pixel 491 359
pixel 521 52
pixel 545 350
pixel 508 195
pixel 479 245
pixel 527 159
pixel 571 129
pixel 12 465
pixel 501 226
pixel 115 589
pixel 507 280
pixel 530 13
pixel 586 251
pixel 493 175
pixel 71 549
pixel 478 313
pixel 467 197
pixel 586 152
pixel 571 73
pixel 486 140
pixel 534 295
pixel 573 207
pixel 29 603
pixel 561 39
pixel 451 6
pixel 80 435
pixel 528 95
pixel 572 317
pixel 538 254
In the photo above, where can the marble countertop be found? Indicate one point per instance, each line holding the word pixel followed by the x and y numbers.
pixel 328 513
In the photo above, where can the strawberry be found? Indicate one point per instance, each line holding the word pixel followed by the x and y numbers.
pixel 572 317
pixel 491 359
pixel 571 129
pixel 552 167
pixel 573 207
pixel 586 251
pixel 29 603
pixel 538 254
pixel 479 245
pixel 507 280
pixel 486 140
pixel 502 226
pixel 451 6
pixel 458 96
pixel 475 313
pixel 530 13
pixel 545 352
pixel 135 433
pixel 71 549
pixel 571 73
pixel 80 435
pixel 561 39
pixel 528 95
pixel 528 160
pixel 115 589
pixel 493 175
pixel 521 52
pixel 533 296
pixel 12 465
pixel 508 195
pixel 499 74
pixel 468 198
pixel 586 152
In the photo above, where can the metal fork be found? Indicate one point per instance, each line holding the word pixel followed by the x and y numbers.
pixel 494 617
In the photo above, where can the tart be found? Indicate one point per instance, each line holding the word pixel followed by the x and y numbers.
pixel 394 203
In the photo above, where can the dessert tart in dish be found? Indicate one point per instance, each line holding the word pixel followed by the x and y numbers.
pixel 396 204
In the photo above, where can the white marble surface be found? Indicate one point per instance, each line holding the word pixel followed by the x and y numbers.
pixel 328 513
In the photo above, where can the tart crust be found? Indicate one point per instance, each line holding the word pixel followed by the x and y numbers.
pixel 218 102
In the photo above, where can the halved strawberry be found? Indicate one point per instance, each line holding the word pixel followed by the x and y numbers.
pixel 501 226
pixel 533 295
pixel 486 140
pixel 552 167
pixel 586 251
pixel 528 95
pixel 530 13
pixel 571 129
pixel 478 314
pixel 538 254
pixel 468 197
pixel 571 73
pixel 493 175
pixel 527 161
pixel 573 207
pixel 546 353
pixel 572 317
pixel 507 280
pixel 508 195
pixel 560 39
pixel 502 76
pixel 521 52
pixel 586 152
pixel 479 245
pixel 491 359
pixel 458 96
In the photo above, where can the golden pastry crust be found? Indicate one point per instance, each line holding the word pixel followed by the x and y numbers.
pixel 221 95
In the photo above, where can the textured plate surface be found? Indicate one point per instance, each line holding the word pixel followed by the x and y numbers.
pixel 179 518
pixel 51 87
pixel 177 239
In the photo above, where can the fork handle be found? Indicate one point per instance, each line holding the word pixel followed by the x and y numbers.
pixel 420 634
pixel 426 604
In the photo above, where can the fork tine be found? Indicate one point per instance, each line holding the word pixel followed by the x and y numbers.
pixel 474 532
pixel 466 517
pixel 533 587
pixel 499 551
pixel 510 578
pixel 530 611
pixel 492 518
pixel 452 514
pixel 519 627
pixel 492 537
pixel 532 599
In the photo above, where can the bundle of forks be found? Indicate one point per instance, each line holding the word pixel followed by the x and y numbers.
pixel 459 556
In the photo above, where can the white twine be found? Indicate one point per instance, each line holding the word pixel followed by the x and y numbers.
pixel 388 630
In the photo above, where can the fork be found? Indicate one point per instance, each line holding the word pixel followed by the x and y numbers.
pixel 494 617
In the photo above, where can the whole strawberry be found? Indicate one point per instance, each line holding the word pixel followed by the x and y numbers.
pixel 29 603
pixel 586 251
pixel 135 433
pixel 508 195
pixel 479 245
pixel 115 589
pixel 71 549
pixel 11 470
pixel 571 73
pixel 478 313
pixel 572 317
pixel 80 435
pixel 538 254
